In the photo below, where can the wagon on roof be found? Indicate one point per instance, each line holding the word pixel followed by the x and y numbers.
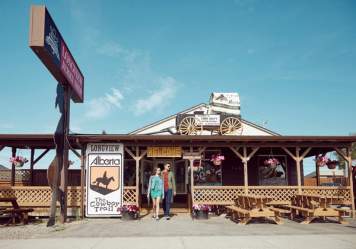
pixel 222 117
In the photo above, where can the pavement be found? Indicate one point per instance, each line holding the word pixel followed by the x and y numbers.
pixel 180 232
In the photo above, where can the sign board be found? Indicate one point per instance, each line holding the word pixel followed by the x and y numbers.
pixel 48 44
pixel 105 182
pixel 156 151
pixel 225 103
pixel 208 120
pixel 192 155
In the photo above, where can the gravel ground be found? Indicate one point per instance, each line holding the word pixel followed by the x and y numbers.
pixel 35 229
pixel 180 225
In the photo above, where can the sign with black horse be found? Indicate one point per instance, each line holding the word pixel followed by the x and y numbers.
pixel 104 179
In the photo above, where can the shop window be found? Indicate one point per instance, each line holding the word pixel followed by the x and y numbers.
pixel 206 171
pixel 272 170
pixel 129 172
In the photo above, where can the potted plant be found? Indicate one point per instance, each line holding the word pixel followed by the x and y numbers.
pixel 217 159
pixel 271 162
pixel 18 161
pixel 321 160
pixel 129 212
pixel 201 211
pixel 332 164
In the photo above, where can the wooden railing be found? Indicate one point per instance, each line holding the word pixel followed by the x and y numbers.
pixel 225 195
pixel 216 195
pixel 40 197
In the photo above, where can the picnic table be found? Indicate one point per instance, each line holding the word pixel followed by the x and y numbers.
pixel 15 211
pixel 315 206
pixel 248 207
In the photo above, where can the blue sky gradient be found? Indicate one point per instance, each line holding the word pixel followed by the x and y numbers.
pixel 293 63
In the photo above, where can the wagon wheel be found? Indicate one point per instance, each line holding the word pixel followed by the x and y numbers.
pixel 229 125
pixel 190 126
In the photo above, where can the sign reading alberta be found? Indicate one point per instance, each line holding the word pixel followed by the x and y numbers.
pixel 105 181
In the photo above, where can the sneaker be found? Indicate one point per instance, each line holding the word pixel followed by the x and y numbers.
pixel 157 219
pixel 168 218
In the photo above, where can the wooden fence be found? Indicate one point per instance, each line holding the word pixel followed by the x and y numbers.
pixel 40 196
pixel 23 177
pixel 225 195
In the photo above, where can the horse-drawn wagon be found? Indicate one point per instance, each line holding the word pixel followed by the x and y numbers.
pixel 222 117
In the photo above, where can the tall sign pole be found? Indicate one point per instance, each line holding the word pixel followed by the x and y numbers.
pixel 48 44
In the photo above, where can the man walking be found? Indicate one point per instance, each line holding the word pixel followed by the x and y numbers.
pixel 169 189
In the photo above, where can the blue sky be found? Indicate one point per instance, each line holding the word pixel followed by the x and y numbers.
pixel 291 61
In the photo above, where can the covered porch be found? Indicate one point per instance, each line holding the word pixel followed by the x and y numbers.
pixel 239 170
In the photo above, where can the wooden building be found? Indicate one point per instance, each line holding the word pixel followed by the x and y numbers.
pixel 242 171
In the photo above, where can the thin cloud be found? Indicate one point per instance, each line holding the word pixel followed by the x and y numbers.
pixel 100 107
pixel 133 72
pixel 158 98
pixel 111 49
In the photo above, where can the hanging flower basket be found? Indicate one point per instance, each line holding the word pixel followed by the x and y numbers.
pixel 322 160
pixel 18 161
pixel 217 159
pixel 332 164
pixel 271 162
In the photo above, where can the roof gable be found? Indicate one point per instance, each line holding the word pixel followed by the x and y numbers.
pixel 166 126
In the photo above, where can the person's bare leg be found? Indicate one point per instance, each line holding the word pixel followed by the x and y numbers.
pixel 153 207
pixel 157 207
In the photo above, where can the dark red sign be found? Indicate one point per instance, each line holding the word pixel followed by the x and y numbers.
pixel 70 71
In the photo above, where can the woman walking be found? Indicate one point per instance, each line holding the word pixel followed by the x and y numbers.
pixel 156 191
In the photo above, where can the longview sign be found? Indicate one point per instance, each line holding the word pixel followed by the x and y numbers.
pixel 105 181
pixel 48 44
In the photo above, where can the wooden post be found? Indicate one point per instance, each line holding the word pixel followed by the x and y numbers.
pixel 191 163
pixel 348 159
pixel 82 182
pixel 137 156
pixel 137 162
pixel 245 158
pixel 351 181
pixel 317 173
pixel 298 158
pixel 32 164
pixel 13 150
pixel 297 150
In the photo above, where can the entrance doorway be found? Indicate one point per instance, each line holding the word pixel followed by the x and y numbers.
pixel 180 172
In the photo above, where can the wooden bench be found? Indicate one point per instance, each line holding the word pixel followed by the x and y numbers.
pixel 248 207
pixel 15 211
pixel 315 206
pixel 281 211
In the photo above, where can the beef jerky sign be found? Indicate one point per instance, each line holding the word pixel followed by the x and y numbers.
pixel 104 179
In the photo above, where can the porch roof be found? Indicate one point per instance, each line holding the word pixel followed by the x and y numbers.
pixel 77 140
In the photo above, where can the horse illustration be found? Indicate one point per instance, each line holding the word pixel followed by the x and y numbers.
pixel 103 180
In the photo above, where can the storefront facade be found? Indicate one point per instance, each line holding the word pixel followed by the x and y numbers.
pixel 191 141
pixel 240 171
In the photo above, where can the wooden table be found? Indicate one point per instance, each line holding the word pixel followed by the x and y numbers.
pixel 314 206
pixel 15 211
pixel 252 206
